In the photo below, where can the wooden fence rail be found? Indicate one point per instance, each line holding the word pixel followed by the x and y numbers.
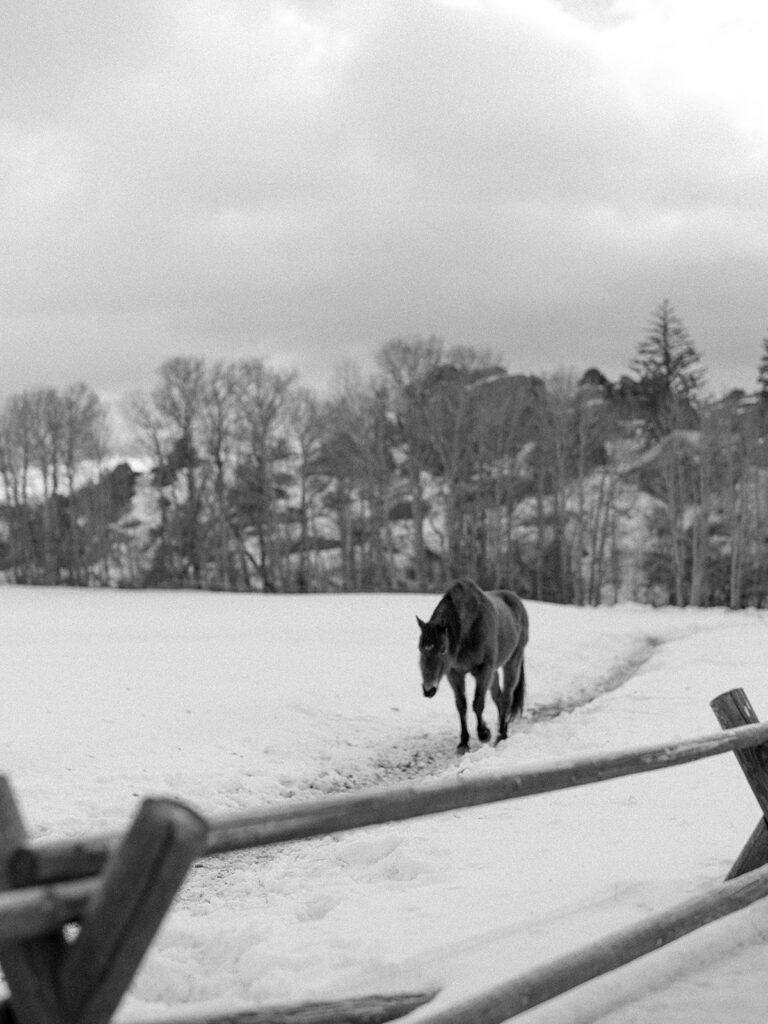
pixel 42 863
pixel 120 887
pixel 540 984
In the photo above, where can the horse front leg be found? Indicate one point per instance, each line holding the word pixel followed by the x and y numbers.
pixel 456 679
pixel 483 679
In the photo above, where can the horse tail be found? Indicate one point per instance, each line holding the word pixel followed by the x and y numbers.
pixel 518 697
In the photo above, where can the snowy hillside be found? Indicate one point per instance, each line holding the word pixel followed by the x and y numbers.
pixel 236 701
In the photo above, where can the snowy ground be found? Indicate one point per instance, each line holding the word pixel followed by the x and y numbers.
pixel 236 701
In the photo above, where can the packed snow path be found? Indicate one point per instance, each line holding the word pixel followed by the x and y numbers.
pixel 427 754
pixel 236 701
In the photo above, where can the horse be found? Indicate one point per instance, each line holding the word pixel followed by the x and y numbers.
pixel 476 631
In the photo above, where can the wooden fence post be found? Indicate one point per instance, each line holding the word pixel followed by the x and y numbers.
pixel 82 982
pixel 733 709
pixel 30 967
pixel 140 882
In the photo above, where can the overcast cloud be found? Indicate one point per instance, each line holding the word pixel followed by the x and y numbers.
pixel 302 181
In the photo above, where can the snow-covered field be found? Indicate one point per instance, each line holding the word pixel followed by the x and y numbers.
pixel 236 701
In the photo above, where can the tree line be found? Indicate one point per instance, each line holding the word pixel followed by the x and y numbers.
pixel 442 463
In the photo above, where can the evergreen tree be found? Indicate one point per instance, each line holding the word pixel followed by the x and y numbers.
pixel 762 371
pixel 668 371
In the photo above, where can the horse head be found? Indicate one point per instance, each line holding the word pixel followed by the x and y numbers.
pixel 433 655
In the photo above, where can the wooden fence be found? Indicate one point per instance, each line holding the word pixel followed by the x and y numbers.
pixel 117 889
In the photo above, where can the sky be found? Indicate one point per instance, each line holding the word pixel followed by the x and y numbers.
pixel 303 181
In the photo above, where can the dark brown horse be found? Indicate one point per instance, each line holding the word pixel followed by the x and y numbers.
pixel 476 631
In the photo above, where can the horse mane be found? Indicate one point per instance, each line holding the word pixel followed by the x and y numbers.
pixel 468 603
pixel 446 615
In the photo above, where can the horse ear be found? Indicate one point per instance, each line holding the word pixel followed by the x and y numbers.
pixel 421 624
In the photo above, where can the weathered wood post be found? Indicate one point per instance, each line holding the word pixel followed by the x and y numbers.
pixel 30 967
pixel 140 882
pixel 733 709
pixel 81 982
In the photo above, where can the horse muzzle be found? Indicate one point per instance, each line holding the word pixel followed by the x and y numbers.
pixel 429 691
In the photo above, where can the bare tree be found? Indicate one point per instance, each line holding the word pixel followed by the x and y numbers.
pixel 48 450
pixel 307 428
pixel 219 436
pixel 454 427
pixel 179 398
pixel 409 366
pixel 16 458
pixel 263 398
pixel 84 443
pixel 597 442
pixel 152 437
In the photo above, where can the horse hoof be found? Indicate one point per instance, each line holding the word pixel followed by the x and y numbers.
pixel 462 748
